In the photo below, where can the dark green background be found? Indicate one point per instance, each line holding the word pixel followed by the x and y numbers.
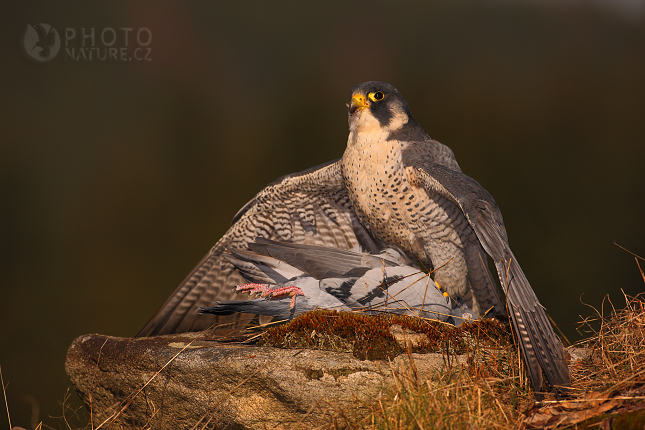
pixel 116 178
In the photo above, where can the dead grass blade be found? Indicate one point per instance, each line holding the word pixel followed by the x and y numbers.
pixel 4 392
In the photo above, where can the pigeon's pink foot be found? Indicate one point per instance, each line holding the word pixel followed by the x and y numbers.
pixel 261 289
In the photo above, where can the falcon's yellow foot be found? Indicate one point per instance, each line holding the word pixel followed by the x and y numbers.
pixel 439 287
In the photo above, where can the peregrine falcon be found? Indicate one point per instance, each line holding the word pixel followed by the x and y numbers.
pixel 393 187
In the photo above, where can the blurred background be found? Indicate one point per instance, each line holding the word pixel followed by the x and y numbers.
pixel 116 177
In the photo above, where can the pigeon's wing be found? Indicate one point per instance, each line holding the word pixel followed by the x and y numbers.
pixel 320 261
pixel 261 269
pixel 542 350
pixel 310 207
pixel 273 262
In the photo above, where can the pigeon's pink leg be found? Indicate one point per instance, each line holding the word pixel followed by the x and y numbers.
pixel 287 291
pixel 272 293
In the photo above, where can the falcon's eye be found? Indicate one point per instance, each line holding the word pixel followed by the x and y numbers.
pixel 376 96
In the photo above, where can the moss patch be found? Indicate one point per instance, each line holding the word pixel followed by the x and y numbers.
pixel 368 337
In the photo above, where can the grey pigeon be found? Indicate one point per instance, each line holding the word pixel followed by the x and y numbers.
pixel 294 279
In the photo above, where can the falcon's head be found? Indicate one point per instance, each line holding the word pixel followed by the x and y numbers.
pixel 378 107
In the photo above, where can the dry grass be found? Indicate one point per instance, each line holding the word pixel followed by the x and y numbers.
pixel 449 402
pixel 489 391
pixel 617 348
pixel 610 379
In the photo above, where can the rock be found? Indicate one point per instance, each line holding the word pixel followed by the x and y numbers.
pixel 191 380
pixel 404 335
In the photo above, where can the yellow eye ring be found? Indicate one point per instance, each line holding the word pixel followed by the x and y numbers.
pixel 376 96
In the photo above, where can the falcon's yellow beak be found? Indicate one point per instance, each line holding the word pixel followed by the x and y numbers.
pixel 358 103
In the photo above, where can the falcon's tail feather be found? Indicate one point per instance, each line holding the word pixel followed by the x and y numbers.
pixel 541 348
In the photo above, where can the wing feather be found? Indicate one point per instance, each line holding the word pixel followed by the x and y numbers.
pixel 320 261
pixel 309 207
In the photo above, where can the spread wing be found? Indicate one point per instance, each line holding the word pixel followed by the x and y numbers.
pixel 541 349
pixel 310 207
